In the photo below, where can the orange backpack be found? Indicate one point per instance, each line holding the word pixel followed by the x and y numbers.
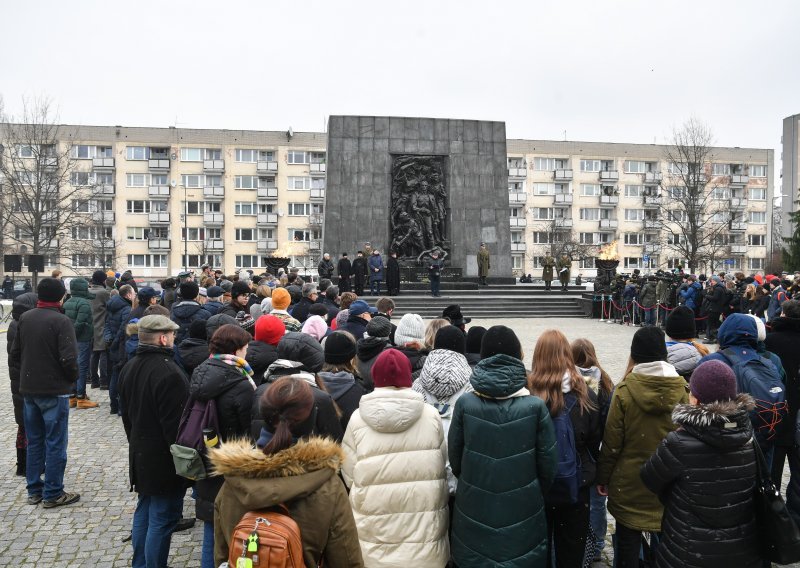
pixel 266 539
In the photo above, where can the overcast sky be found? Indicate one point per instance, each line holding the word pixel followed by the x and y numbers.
pixel 620 71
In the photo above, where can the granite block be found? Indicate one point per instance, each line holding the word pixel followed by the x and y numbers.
pixel 470 131
pixel 365 144
pixel 335 127
pixel 457 130
pixel 396 145
pixel 351 126
pixel 381 144
pixel 456 147
pixel 396 127
pixel 441 130
pixel 411 146
pixel 441 147
pixel 486 132
pixel 426 146
pixel 471 147
pixel 426 131
pixel 366 126
pixel 411 128
pixel 350 145
pixel 499 133
pixel 382 127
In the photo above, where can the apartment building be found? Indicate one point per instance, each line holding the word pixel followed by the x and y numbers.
pixel 790 172
pixel 165 198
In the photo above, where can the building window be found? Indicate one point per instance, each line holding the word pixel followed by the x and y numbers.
pixel 147 260
pixel 246 235
pixel 304 235
pixel 720 193
pixel 194 207
pixel 89 233
pixel 138 206
pixel 192 154
pixel 136 180
pixel 138 233
pixel 633 190
pixel 594 238
pixel 297 157
pixel 80 178
pixel 634 214
pixel 676 192
pixel 756 263
pixel 246 182
pixel 756 240
pixel 590 189
pixel 544 188
pixel 635 167
pixel 299 209
pixel 137 152
pixel 213 181
pixel 590 165
pixel 193 234
pixel 244 208
pixel 317 157
pixel 539 238
pixel 758 171
pixel 299 183
pixel 721 170
pixel 193 181
pixel 516 187
pixel 246 155
pixel 159 179
pixel 757 193
pixel 587 263
pixel 758 217
pixel 548 213
pixel 247 261
pixel 587 214
pixel 634 239
pixel 679 216
pixel 516 262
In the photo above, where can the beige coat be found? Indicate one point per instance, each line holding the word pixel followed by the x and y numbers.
pixel 395 457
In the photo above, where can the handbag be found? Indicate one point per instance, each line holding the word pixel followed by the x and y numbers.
pixel 778 534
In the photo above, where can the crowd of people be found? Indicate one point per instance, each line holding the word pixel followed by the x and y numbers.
pixel 411 443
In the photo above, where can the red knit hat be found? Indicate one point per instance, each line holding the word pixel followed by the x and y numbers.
pixel 269 329
pixel 392 369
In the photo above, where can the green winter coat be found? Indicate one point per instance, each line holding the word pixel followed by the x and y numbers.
pixel 483 263
pixel 79 309
pixel 639 418
pixel 548 265
pixel 502 449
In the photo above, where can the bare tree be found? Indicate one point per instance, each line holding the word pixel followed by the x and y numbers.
pixel 692 213
pixel 561 239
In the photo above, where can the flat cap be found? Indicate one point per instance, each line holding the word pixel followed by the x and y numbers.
pixel 152 324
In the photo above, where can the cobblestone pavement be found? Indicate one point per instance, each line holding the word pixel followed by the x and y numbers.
pixel 90 532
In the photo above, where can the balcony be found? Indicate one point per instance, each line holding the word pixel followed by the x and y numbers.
pixel 214 192
pixel 103 216
pixel 49 163
pixel 652 201
pixel 266 167
pixel 563 198
pixel 158 244
pixel 158 191
pixel 609 223
pixel 517 198
pixel 158 218
pixel 651 248
pixel 609 175
pixel 518 222
pixel 651 223
pixel 267 219
pixel 49 217
pixel 738 226
pixel 103 189
pixel 158 164
pixel 102 243
pixel 565 223
pixel 213 218
pixel 215 244
pixel 317 194
pixel 52 244
pixel 653 178
pixel 738 249
pixel 103 163
pixel 738 203
pixel 212 166
pixel 518 247
pixel 315 219
pixel 267 245
pixel 739 180
pixel 315 245
pixel 268 193
pixel 317 169
pixel 519 173
pixel 609 200
pixel 562 175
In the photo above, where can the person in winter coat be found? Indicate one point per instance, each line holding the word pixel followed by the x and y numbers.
pixel 118 313
pixel 316 327
pixel 499 519
pixel 240 298
pixel 484 264
pixel 145 297
pixel 639 418
pixel 714 303
pixel 369 347
pixel 325 267
pixel 188 310
pixel 747 302
pixel 213 300
pixel 394 465
pixel 393 275
pixel 194 349
pixel 360 273
pixel 310 295
pixel 474 337
pixel 761 303
pixel 292 468
pixel 705 475
pixel 79 310
pixel 548 268
pixel 690 294
pixel 410 340
pixel 338 374
pixel 169 287
pixel 435 266
pixel 152 393
pixel 358 317
pixel 683 352
pixel 375 263
pixel 647 299
pixel 555 379
pixel 345 270
pixel 22 304
pixel 280 302
pixel 777 297
pixel 263 350
pixel 99 365
pixel 227 379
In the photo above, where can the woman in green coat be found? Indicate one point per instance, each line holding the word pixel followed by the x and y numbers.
pixel 502 449
pixel 79 310
pixel 639 418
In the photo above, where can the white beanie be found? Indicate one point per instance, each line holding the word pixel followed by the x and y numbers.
pixel 411 328
pixel 762 330
pixel 244 275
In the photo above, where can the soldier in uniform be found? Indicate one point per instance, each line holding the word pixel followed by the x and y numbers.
pixel 483 264
pixel 564 264
pixel 548 267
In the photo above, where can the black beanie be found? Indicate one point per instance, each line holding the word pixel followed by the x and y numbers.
pixel 99 278
pixel 680 323
pixel 51 290
pixel 648 345
pixel 189 290
pixel 239 288
pixel 339 348
pixel 197 329
pixel 451 338
pixel 500 339
pixel 474 337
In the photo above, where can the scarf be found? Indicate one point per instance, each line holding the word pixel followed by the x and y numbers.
pixel 242 365
pixel 43 304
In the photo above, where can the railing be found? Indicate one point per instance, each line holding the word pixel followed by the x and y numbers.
pixel 609 175
pixel 652 201
pixel 609 223
pixel 738 226
pixel 314 245
pixel 609 199
pixel 104 189
pixel 158 163
pixel 517 172
pixel 214 192
pixel 652 178
pixel 651 223
pixel 103 216
pixel 267 219
pixel 315 219
pixel 215 244
pixel 518 222
pixel 158 244
pixel 738 179
pixel 103 163
pixel 517 247
pixel 267 245
pixel 562 175
pixel 738 249
pixel 267 193
pixel 317 169
pixel 267 166
pixel 517 198
pixel 158 191
pixel 317 194
pixel 563 198
pixel 158 217
pixel 738 203
pixel 213 165
pixel 213 218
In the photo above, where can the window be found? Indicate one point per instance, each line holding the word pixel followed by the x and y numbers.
pixel 516 262
pixel 266 233
pixel 194 207
pixel 758 217
pixel 212 153
pixel 297 157
pixel 517 212
pixel 634 239
pixel 81 178
pixel 757 193
pixel 213 181
pixel 82 206
pixel 516 187
pixel 82 152
pixel 758 171
pixel 138 233
pixel 677 168
pixel 540 238
pixel 244 208
pixel 756 263
pixel 159 153
pixel 595 238
pixel 544 188
pixel 247 261
pixel 587 263
pixel 303 235
pixel 88 233
pixel 193 234
pixel 246 182
pixel 634 190
pixel 245 155
pixel 299 183
pixel 675 239
pixel 317 157
pixel 137 206
pixel 25 151
pixel 299 209
pixel 544 164
pixel 191 154
pixel 589 214
pixel 677 216
pixel 721 169
pixel 720 193
pixel 634 167
pixel 147 260
pixel 548 213
pixel 590 165
pixel 269 182
pixel 159 179
pixel 193 181
pixel 245 234
pixel 213 233
pixel 137 153
pixel 676 192
pixel 516 163
pixel 517 237
pixel 634 214
pixel 136 180
pixel 633 262
pixel 212 207
pixel 590 189
pixel 756 240
pixel 104 178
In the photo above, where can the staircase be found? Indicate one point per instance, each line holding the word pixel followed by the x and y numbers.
pixel 496 301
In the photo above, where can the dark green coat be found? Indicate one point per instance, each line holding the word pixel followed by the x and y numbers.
pixel 484 263
pixel 502 450
pixel 564 263
pixel 79 309
pixel 548 266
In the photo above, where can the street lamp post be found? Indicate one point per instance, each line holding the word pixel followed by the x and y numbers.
pixel 185 232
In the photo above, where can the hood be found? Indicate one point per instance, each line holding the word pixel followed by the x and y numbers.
pixel 738 329
pixel 303 348
pixel 261 354
pixel 369 347
pixel 132 328
pixel 79 288
pixel 192 342
pixel 391 410
pixel 186 309
pixel 284 368
pixel 656 387
pixel 724 425
pixel 117 304
pixel 445 373
pixel 337 383
pixel 499 376
pixel 23 303
pixel 785 324
pixel 696 285
pixel 262 481
pixel 212 378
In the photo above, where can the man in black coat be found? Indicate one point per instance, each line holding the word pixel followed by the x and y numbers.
pixel 714 302
pixel 300 311
pixel 344 268
pixel 393 274
pixel 325 267
pixel 359 273
pixel 153 391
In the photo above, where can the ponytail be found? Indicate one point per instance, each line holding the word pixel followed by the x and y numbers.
pixel 286 404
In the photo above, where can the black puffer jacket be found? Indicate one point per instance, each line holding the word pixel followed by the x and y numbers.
pixel 367 350
pixel 783 341
pixel 705 474
pixel 300 311
pixel 184 314
pixel 416 358
pixel 303 348
pixel 260 355
pixel 216 380
pixel 192 353
pixel 588 434
pixel 22 304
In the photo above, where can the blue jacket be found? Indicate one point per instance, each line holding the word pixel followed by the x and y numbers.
pixel 740 331
pixel 375 261
pixel 777 298
pixel 118 312
pixel 184 314
pixel 691 294
pixel 629 294
pixel 212 307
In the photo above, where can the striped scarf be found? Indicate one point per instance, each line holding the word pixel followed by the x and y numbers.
pixel 243 366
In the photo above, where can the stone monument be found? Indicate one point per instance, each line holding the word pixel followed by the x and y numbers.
pixel 418 184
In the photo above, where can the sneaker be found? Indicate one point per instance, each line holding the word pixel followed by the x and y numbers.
pixel 63 499
pixel 72 402
pixel 184 524
pixel 34 499
pixel 85 402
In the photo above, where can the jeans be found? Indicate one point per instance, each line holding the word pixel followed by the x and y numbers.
pixel 650 316
pixel 375 287
pixel 435 282
pixel 207 558
pixel 99 368
pixel 712 324
pixel 113 395
pixel 597 519
pixel 567 528
pixel 46 426
pixel 84 361
pixel 153 522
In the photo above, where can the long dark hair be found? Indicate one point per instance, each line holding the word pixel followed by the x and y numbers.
pixel 285 404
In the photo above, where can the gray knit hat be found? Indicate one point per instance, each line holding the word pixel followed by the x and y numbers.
pixel 379 327
pixel 410 329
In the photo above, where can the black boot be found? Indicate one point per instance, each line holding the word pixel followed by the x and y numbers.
pixel 22 460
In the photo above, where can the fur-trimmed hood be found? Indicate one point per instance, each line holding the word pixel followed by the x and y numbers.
pixel 724 424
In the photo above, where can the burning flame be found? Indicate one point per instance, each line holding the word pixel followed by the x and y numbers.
pixel 609 252
pixel 289 249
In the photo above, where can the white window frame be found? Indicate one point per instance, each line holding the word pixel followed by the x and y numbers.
pixel 192 154
pixel 240 207
pixel 292 182
pixel 591 189
pixel 240 234
pixel 590 165
pixel 753 215
pixel 758 171
pixel 298 157
pixel 137 153
pixel 193 181
pixel 760 190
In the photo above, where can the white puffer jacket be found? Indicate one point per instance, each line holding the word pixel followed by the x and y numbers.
pixel 394 464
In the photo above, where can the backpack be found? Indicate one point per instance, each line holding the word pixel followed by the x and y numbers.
pixel 564 490
pixel 189 450
pixel 760 379
pixel 266 539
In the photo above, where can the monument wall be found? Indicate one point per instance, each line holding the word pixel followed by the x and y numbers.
pixel 467 205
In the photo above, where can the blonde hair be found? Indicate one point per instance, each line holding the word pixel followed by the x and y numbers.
pixel 750 291
pixel 584 355
pixel 264 291
pixel 430 332
pixel 552 359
